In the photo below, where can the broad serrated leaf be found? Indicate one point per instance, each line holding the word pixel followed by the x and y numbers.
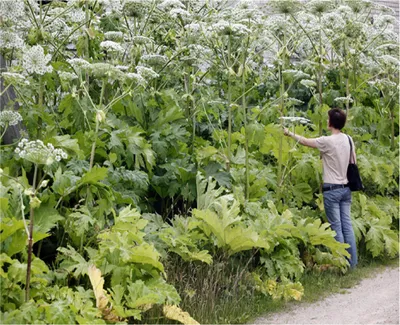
pixel 93 176
pixel 175 313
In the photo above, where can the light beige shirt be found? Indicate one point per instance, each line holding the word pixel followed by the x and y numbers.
pixel 335 150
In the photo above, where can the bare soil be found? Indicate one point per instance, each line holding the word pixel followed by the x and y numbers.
pixel 374 300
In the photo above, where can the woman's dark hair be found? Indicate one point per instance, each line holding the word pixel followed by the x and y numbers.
pixel 337 118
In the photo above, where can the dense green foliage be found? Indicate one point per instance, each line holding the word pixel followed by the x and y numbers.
pixel 156 152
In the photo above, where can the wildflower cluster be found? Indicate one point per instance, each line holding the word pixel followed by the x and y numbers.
pixel 343 100
pixel 141 40
pixel 385 20
pixel 122 67
pixel 12 10
pixel 9 118
pixel 169 4
pixel 14 78
pixel 224 27
pixel 112 46
pixel 154 59
pixel 146 73
pixel 136 8
pixel 308 83
pixel 58 27
pixel 114 36
pixel 179 12
pixel 333 20
pixel 67 76
pixel 111 6
pixel 39 153
pixel 294 119
pixel 102 70
pixel 136 77
pixel 318 7
pixel 76 16
pixel 35 61
pixel 79 63
pixel 193 27
pixel 10 40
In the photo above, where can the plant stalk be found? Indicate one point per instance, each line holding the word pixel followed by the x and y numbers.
pixel 229 105
pixel 246 142
pixel 30 241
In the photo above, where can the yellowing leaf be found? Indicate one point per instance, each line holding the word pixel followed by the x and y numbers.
pixel 175 313
pixel 97 282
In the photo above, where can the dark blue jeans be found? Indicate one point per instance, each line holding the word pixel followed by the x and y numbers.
pixel 337 204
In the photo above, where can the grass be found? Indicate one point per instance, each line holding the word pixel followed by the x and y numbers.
pixel 209 296
pixel 317 285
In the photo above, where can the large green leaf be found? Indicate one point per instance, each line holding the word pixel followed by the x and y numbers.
pixel 93 176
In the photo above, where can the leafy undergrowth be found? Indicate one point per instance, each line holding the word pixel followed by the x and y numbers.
pixel 144 173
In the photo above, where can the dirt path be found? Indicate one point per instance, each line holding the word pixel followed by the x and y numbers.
pixel 373 301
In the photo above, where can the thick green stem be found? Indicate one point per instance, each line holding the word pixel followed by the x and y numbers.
pixel 30 241
pixel 320 77
pixel 281 108
pixel 246 142
pixel 4 132
pixel 229 105
pixel 87 41
pixel 40 104
pixel 392 145
pixel 92 153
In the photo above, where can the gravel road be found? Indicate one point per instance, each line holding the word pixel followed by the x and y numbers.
pixel 374 300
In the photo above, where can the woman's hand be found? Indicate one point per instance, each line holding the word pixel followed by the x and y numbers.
pixel 286 132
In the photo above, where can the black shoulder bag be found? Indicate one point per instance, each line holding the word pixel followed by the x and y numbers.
pixel 353 175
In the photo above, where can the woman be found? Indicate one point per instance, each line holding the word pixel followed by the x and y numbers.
pixel 335 151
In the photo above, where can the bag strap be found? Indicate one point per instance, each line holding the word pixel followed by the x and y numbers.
pixel 351 149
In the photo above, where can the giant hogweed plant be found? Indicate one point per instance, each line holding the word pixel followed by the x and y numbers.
pixel 103 82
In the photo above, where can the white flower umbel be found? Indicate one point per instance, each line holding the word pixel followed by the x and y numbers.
pixel 169 4
pixel 224 27
pixel 39 153
pixel 179 12
pixel 383 83
pixel 343 100
pixel 147 73
pixel 122 67
pixel 294 119
pixel 136 8
pixel 344 10
pixel 79 63
pixel 14 78
pixel 57 27
pixel 114 36
pixel 35 61
pixel 10 40
pixel 287 7
pixel 293 75
pixel 155 59
pixel 67 76
pixel 137 78
pixel 111 46
pixel 140 40
pixel 333 20
pixel 9 118
pixel 318 7
pixel 389 60
pixel 308 83
pixel 111 6
pixel 385 20
pixel 76 16
pixel 193 27
pixel 102 70
pixel 12 10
